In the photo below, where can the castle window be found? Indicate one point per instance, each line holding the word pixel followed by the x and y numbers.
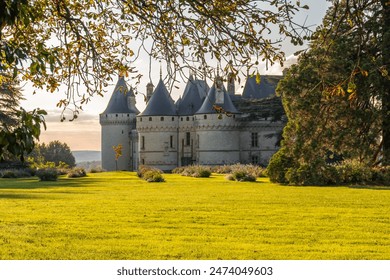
pixel 173 118
pixel 188 118
pixel 254 139
pixel 171 141
pixel 162 118
pixel 140 119
pixel 205 117
pixel 122 132
pixel 142 142
pixel 150 119
pixel 128 115
pixel 255 160
pixel 181 119
pixel 188 138
pixel 116 115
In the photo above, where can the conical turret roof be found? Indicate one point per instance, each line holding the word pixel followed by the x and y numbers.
pixel 210 100
pixel 193 97
pixel 161 103
pixel 118 103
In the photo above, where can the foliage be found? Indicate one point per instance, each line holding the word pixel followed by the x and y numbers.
pixel 153 176
pixel 333 97
pixel 241 176
pixel 85 42
pixel 77 173
pixel 55 152
pixel 150 174
pixel 47 174
pixel 118 153
pixel 96 169
pixel 19 139
pixel 10 96
pixel 16 173
pixel 189 219
pixel 255 170
pixel 197 171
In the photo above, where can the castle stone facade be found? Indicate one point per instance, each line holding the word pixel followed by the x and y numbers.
pixel 203 127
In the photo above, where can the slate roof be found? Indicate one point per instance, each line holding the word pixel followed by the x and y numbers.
pixel 209 102
pixel 265 89
pixel 161 103
pixel 193 97
pixel 118 102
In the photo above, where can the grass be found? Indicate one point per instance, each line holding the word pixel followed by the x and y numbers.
pixel 119 216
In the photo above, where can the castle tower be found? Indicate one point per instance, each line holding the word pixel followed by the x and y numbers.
pixel 118 128
pixel 157 128
pixel 192 99
pixel 218 132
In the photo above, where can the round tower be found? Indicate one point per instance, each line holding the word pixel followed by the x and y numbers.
pixel 118 123
pixel 157 129
pixel 218 132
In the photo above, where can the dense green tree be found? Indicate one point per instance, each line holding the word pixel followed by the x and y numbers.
pixel 54 151
pixel 334 97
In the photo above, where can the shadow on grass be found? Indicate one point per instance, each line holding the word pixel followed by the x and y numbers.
pixel 35 183
pixel 18 196
pixel 372 187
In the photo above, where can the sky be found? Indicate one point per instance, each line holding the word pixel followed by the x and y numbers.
pixel 84 132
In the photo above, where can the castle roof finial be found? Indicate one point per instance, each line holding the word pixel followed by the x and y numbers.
pixel 160 70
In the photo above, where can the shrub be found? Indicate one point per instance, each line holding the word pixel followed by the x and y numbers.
pixel 242 176
pixel 97 169
pixel 150 174
pixel 178 170
pixel 142 169
pixel 278 166
pixel 197 171
pixel 47 174
pixel 77 173
pixel 16 173
pixel 153 176
pixel 353 171
pixel 381 175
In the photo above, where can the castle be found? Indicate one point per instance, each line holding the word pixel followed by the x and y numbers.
pixel 206 126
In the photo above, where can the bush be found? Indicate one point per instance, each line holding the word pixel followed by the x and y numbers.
pixel 278 166
pixel 47 174
pixel 97 169
pixel 353 171
pixel 178 170
pixel 197 171
pixel 150 174
pixel 241 176
pixel 142 169
pixel 77 173
pixel 17 173
pixel 153 176
pixel 381 175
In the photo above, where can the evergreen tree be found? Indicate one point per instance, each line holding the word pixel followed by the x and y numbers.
pixel 334 97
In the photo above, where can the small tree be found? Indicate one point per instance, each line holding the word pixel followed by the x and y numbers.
pixel 118 153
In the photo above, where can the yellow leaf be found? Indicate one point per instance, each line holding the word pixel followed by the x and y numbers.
pixel 258 78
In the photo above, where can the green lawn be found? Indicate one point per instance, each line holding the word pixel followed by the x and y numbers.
pixel 118 216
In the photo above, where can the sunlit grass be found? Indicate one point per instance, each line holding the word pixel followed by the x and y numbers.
pixel 119 216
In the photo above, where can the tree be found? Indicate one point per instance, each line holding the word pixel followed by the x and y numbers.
pixel 19 129
pixel 334 97
pixel 10 96
pixel 55 152
pixel 118 153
